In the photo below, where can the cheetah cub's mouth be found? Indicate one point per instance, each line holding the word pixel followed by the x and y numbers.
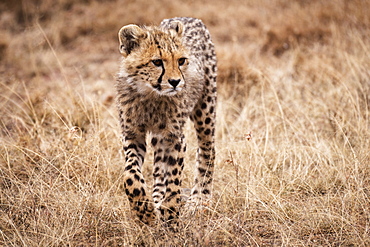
pixel 170 89
pixel 171 92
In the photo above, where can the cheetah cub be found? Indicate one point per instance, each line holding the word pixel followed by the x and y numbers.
pixel 168 73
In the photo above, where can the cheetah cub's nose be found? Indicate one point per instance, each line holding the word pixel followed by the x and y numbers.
pixel 173 82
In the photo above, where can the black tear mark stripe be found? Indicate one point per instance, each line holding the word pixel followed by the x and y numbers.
pixel 182 75
pixel 159 81
pixel 160 78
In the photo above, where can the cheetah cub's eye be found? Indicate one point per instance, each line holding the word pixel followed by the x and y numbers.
pixel 182 61
pixel 157 62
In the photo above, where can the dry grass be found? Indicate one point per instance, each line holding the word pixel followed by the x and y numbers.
pixel 293 130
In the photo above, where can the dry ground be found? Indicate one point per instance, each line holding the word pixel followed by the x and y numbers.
pixel 293 127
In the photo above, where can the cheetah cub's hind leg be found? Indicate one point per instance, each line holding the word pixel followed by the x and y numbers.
pixel 204 117
pixel 204 123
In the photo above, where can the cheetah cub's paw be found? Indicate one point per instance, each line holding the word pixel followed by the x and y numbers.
pixel 194 204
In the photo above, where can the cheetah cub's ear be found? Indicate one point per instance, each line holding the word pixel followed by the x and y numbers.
pixel 177 27
pixel 129 38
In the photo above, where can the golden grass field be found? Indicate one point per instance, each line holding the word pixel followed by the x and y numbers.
pixel 293 124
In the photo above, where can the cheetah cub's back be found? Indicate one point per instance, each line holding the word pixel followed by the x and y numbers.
pixel 168 73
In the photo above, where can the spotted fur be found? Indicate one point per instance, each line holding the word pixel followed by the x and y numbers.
pixel 168 73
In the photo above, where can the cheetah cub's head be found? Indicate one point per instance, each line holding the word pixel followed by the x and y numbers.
pixel 155 60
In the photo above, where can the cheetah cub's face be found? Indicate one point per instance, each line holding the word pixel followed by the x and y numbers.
pixel 155 59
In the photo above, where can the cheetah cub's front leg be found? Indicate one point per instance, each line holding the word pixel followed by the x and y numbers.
pixel 167 170
pixel 135 148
